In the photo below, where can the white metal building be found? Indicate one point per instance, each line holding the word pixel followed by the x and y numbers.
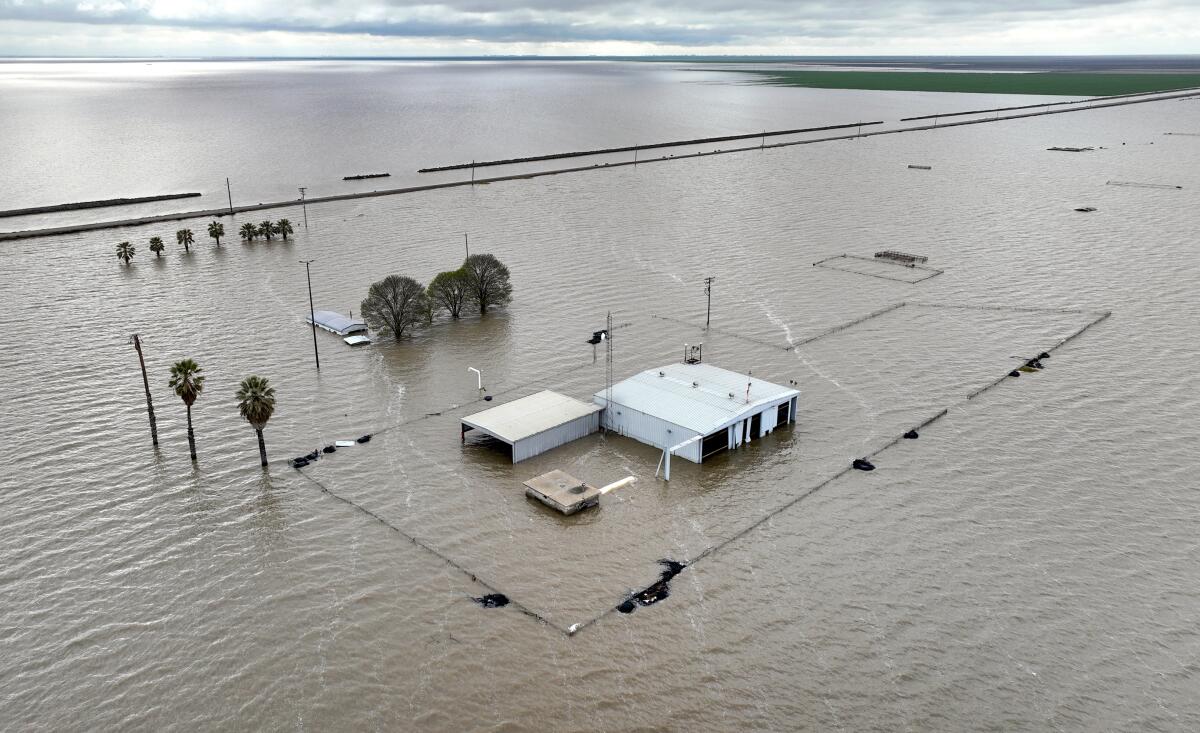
pixel 336 322
pixel 696 410
pixel 535 424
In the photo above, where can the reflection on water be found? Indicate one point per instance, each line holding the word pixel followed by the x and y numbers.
pixel 1030 559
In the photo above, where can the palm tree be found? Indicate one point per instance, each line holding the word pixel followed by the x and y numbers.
pixel 184 237
pixel 156 246
pixel 284 227
pixel 216 230
pixel 267 228
pixel 248 232
pixel 188 382
pixel 125 252
pixel 256 402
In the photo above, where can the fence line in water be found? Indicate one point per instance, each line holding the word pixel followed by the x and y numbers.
pixel 745 531
pixel 933 270
pixel 433 551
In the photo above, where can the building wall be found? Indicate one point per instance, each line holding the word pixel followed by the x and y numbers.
pixel 580 427
pixel 651 430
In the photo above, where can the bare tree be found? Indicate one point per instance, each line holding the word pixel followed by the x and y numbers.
pixel 395 304
pixel 449 291
pixel 488 282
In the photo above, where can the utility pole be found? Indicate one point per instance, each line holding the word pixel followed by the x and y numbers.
pixel 229 192
pixel 137 344
pixel 708 281
pixel 312 315
pixel 467 245
pixel 304 206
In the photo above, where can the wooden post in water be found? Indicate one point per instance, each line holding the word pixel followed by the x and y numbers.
pixel 137 344
pixel 312 315
pixel 229 192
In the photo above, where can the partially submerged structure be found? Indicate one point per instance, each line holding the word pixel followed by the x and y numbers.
pixel 696 410
pixel 336 323
pixel 535 424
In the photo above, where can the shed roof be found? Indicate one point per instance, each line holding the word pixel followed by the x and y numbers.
pixel 668 394
pixel 336 322
pixel 529 416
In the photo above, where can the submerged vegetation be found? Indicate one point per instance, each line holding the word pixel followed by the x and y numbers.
pixel 1049 83
pixel 256 403
pixel 398 304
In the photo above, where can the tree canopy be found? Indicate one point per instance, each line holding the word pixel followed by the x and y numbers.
pixel 395 304
pixel 488 281
pixel 256 401
pixel 450 291
pixel 216 230
pixel 186 380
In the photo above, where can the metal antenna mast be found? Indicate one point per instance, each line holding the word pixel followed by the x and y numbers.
pixel 608 366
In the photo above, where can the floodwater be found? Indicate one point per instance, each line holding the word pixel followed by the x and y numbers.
pixel 1028 563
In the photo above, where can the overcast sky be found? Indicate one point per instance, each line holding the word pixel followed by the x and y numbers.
pixel 570 27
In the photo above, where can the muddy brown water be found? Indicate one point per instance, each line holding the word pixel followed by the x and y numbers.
pixel 1028 563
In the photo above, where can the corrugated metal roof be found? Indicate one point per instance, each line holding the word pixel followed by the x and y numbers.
pixel 702 408
pixel 336 322
pixel 529 416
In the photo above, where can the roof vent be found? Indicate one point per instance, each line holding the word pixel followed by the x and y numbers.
pixel 662 374
pixel 731 395
pixel 695 384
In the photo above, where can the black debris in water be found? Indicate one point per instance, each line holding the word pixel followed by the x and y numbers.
pixel 863 464
pixel 487 398
pixel 313 456
pixel 1014 373
pixel 364 439
pixel 655 592
pixel 329 449
pixel 1043 355
pixel 493 600
pixel 912 435
pixel 300 462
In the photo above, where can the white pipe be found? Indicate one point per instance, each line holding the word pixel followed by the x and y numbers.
pixel 478 375
pixel 617 484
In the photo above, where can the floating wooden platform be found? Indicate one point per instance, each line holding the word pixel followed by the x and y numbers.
pixel 921 167
pixel 1071 150
pixel 362 176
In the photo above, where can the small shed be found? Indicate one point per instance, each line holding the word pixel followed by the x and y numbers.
pixel 535 424
pixel 336 323
pixel 697 410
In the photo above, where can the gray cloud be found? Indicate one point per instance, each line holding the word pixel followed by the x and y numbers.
pixel 679 23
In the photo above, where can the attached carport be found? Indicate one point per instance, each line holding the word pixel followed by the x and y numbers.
pixel 535 424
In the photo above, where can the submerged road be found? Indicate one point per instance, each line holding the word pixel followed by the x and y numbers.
pixel 137 221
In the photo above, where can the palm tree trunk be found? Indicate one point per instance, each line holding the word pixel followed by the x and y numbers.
pixel 191 435
pixel 137 344
pixel 262 447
